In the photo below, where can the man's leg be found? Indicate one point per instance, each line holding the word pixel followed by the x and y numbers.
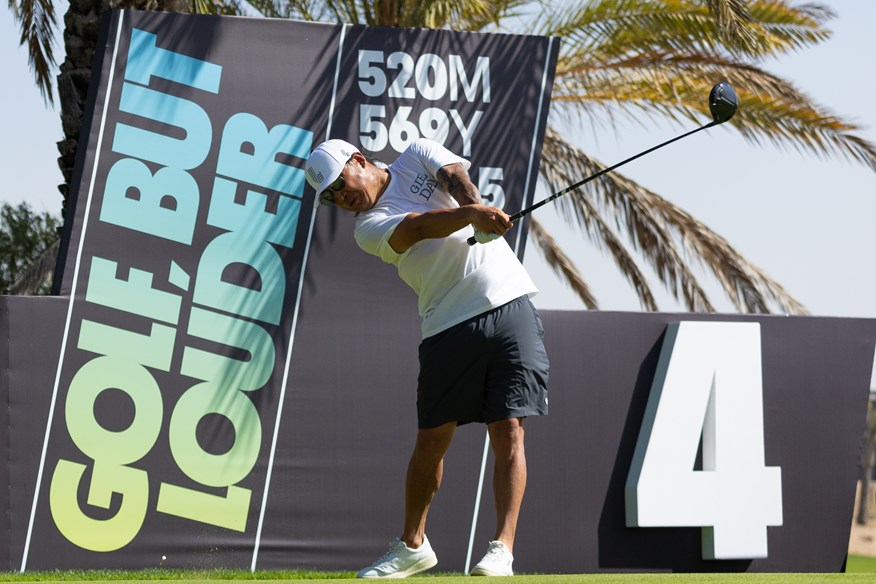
pixel 423 479
pixel 509 476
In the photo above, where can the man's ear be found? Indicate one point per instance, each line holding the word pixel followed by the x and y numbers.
pixel 359 159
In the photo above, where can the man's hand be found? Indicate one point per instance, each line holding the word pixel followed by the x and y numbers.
pixel 490 220
pixel 482 237
pixel 489 224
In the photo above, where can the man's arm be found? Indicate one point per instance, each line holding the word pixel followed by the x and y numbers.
pixel 453 179
pixel 439 223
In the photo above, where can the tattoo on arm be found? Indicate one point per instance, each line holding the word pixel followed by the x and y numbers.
pixel 455 181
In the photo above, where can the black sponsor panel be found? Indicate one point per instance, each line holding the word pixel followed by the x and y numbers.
pixel 336 494
pixel 31 330
pixel 185 258
pixel 816 373
pixel 184 266
pixel 484 96
pixel 5 531
pixel 368 418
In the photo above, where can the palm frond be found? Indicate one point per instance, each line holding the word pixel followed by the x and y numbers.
pixel 604 238
pixel 748 286
pixel 771 109
pixel 731 18
pixel 560 263
pixel 556 161
pixel 802 125
pixel 216 7
pixel 638 59
pixel 492 15
pixel 667 237
pixel 473 15
pixel 758 28
pixel 272 9
pixel 601 33
pixel 37 22
pixel 621 201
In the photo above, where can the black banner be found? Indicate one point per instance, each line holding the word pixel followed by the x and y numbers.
pixel 187 259
pixel 348 425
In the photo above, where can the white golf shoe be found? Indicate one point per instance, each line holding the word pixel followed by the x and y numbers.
pixel 400 561
pixel 497 561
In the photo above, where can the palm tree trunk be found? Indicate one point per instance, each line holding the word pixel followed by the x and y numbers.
pixel 81 31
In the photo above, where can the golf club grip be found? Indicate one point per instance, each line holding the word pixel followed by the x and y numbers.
pixel 471 240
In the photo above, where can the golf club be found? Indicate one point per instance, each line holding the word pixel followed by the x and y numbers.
pixel 722 105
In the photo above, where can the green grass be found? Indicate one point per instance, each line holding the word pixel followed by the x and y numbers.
pixel 224 575
pixel 858 569
pixel 862 567
pixel 860 564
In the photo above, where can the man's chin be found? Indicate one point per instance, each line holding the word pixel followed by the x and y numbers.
pixel 362 205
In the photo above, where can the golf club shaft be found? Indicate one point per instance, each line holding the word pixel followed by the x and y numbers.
pixel 524 212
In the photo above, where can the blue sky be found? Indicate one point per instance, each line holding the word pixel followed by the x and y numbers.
pixel 807 222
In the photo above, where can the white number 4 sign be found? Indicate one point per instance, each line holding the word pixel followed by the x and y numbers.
pixel 708 385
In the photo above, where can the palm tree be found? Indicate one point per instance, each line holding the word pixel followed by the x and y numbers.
pixel 24 237
pixel 660 57
pixel 622 58
pixel 38 23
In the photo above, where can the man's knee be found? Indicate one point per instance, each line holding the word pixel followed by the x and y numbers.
pixel 434 442
pixel 506 437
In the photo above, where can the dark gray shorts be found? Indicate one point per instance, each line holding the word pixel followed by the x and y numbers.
pixel 491 367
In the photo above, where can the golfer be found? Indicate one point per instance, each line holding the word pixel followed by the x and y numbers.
pixel 481 358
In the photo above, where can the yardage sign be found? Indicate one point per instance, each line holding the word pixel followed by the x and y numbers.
pixel 465 92
pixel 186 259
pixel 708 386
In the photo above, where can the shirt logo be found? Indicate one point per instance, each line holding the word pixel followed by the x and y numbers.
pixel 424 186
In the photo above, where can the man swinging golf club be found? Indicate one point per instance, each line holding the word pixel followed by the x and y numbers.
pixel 481 357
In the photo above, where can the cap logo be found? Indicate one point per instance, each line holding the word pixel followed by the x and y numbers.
pixel 315 175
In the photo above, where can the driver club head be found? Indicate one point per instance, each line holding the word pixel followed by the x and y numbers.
pixel 722 102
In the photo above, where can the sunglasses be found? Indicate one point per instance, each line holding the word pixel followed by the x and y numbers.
pixel 328 195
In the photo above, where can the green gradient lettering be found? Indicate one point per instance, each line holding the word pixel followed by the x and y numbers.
pixel 234 332
pixel 261 168
pixel 134 295
pixel 252 218
pixel 99 535
pixel 260 300
pixel 151 212
pixel 126 446
pixel 183 153
pixel 229 511
pixel 164 204
pixel 145 59
pixel 215 470
pixel 152 350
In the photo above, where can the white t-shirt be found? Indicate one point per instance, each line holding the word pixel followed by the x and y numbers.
pixel 453 280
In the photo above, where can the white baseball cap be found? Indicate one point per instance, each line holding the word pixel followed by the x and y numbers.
pixel 325 163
